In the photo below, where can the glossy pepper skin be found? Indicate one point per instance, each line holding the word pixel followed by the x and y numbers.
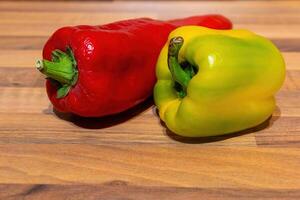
pixel 214 82
pixel 101 70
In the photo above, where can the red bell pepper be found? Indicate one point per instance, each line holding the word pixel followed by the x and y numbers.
pixel 101 70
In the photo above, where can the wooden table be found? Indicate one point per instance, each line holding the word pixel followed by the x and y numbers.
pixel 48 156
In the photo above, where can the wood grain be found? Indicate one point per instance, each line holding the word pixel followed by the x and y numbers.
pixel 184 165
pixel 120 189
pixel 45 154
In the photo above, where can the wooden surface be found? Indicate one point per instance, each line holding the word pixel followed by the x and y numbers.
pixel 46 155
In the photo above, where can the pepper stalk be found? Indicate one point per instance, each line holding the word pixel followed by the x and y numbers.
pixel 62 68
pixel 179 75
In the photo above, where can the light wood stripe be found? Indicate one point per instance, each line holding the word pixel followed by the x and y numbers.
pixel 240 7
pixel 66 18
pixel 73 18
pixel 145 165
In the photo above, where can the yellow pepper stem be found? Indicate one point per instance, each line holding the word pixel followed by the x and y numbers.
pixel 179 75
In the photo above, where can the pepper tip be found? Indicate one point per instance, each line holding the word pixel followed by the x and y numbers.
pixel 177 40
pixel 39 65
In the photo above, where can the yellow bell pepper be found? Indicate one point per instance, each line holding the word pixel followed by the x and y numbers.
pixel 213 82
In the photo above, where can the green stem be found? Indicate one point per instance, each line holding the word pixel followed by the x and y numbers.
pixel 178 74
pixel 62 68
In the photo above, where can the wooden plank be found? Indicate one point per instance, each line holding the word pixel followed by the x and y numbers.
pixel 34 100
pixel 37 43
pixel 19 58
pixel 30 77
pixel 23 110
pixel 292 60
pixel 291 82
pixel 122 190
pixel 270 31
pixel 240 7
pixel 66 18
pixel 71 18
pixel 23 100
pixel 49 129
pixel 287 45
pixel 8 58
pixel 126 128
pixel 22 42
pixel 230 167
pixel 21 77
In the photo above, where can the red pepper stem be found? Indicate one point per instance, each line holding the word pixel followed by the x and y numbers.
pixel 62 68
pixel 178 74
